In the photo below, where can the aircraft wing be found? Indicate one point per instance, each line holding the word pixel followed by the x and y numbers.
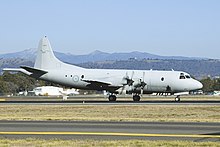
pixel 101 85
pixel 97 82
pixel 35 72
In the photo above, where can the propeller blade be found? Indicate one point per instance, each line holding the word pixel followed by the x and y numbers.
pixel 143 76
pixel 142 91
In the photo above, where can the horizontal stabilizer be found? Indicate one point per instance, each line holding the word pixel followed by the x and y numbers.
pixel 17 70
pixel 35 72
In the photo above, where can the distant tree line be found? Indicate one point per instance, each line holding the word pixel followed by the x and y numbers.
pixel 210 85
pixel 12 83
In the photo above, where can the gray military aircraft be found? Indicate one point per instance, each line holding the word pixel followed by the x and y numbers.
pixel 136 82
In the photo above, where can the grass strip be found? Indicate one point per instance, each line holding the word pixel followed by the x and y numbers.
pixel 164 113
pixel 106 143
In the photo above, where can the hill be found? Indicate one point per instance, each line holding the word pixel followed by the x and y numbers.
pixel 198 67
pixel 30 54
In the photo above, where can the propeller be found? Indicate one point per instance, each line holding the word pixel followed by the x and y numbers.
pixel 127 81
pixel 130 81
pixel 143 84
pixel 132 84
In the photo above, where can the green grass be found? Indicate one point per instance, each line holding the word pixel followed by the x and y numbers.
pixel 165 113
pixel 87 143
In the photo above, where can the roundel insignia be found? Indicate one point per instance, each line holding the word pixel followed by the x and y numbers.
pixel 75 78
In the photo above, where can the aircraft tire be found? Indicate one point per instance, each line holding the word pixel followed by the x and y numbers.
pixel 177 99
pixel 136 98
pixel 112 98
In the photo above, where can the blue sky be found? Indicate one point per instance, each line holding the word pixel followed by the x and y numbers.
pixel 164 27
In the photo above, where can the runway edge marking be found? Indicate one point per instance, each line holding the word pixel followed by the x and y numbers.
pixel 111 134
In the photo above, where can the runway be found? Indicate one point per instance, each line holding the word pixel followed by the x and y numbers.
pixel 110 130
pixel 100 102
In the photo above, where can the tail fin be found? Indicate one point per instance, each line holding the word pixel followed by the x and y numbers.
pixel 45 56
pixel 46 60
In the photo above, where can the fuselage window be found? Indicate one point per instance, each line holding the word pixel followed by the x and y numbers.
pixel 162 79
pixel 65 75
pixel 82 76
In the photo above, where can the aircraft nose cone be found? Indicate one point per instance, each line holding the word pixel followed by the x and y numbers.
pixel 199 85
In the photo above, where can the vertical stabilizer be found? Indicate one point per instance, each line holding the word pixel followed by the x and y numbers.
pixel 45 56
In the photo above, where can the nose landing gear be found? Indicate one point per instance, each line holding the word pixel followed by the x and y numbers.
pixel 177 98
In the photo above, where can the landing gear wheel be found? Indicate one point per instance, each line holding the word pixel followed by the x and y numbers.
pixel 177 99
pixel 136 98
pixel 112 98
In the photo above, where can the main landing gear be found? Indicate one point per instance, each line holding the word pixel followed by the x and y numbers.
pixel 136 98
pixel 112 98
pixel 177 98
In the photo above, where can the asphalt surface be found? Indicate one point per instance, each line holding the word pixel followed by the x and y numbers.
pixel 124 102
pixel 110 130
pixel 100 100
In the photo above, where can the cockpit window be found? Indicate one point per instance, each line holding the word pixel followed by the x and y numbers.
pixel 188 76
pixel 182 76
